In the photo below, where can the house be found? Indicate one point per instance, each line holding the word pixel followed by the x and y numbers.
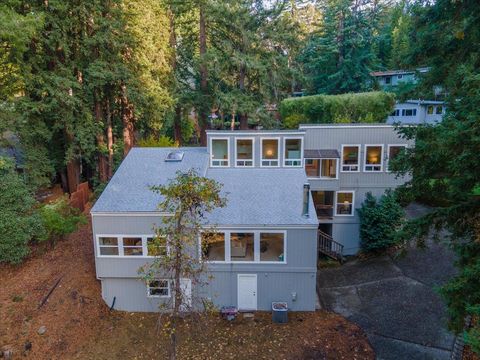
pixel 417 112
pixel 265 246
pixel 392 78
pixel 290 195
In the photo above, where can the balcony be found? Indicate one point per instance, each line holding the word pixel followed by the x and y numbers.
pixel 323 201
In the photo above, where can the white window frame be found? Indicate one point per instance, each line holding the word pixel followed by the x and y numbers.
pixel 387 155
pixel 279 154
pixel 353 202
pixel 285 138
pixel 256 247
pixel 229 155
pixel 227 250
pixel 120 246
pixel 134 247
pixel 336 169
pixel 365 158
pixel 414 112
pixel 145 246
pixel 159 296
pixel 359 147
pixel 252 139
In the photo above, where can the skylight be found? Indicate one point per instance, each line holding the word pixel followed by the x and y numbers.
pixel 175 155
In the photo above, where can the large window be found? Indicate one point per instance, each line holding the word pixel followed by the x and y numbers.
pixel 409 112
pixel 439 110
pixel 350 158
pixel 321 168
pixel 344 204
pixel 272 247
pixel 373 158
pixel 220 152
pixel 393 152
pixel 293 152
pixel 156 246
pixel 108 245
pixel 132 246
pixel 244 152
pixel 213 246
pixel 270 152
pixel 158 288
pixel 242 246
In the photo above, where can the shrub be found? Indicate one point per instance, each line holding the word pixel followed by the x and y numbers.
pixel 60 219
pixel 19 220
pixel 379 222
pixel 152 141
pixel 368 107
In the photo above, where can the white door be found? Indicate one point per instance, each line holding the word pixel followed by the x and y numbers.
pixel 186 289
pixel 247 291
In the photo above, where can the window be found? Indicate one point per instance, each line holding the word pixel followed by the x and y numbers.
pixel 439 110
pixel 220 152
pixel 350 155
pixel 158 288
pixel 272 247
pixel 242 246
pixel 409 112
pixel 388 79
pixel 156 246
pixel 213 246
pixel 373 158
pixel 399 76
pixel 344 205
pixel 430 109
pixel 244 152
pixel 312 167
pixel 393 152
pixel 328 168
pixel 108 245
pixel 395 112
pixel 132 246
pixel 270 152
pixel 293 152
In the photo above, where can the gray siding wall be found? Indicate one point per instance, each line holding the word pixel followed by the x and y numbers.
pixel 275 282
pixel 345 229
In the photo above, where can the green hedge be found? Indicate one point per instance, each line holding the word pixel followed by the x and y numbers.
pixel 368 107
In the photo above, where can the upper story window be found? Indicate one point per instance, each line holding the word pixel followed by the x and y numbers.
pixel 373 158
pixel 395 112
pixel 270 152
pixel 439 110
pixel 321 168
pixel 388 79
pixel 213 246
pixel 293 152
pixel 430 109
pixel 244 152
pixel 393 152
pixel 220 154
pixel 350 158
pixel 344 203
pixel 108 246
pixel 409 112
pixel 156 246
pixel 132 246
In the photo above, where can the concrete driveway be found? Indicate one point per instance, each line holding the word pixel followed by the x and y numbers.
pixel 395 302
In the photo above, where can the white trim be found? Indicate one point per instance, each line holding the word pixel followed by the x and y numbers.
pixel 320 126
pixel 229 155
pixel 140 213
pixel 253 132
pixel 359 147
pixel 121 247
pixel 365 158
pixel 353 202
pixel 387 155
pixel 320 169
pixel 261 227
pixel 284 156
pixel 159 296
pixel 279 155
pixel 252 139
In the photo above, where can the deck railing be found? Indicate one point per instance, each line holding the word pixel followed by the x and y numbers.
pixel 329 247
pixel 324 211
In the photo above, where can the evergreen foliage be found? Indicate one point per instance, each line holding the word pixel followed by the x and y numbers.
pixel 379 222
pixel 367 107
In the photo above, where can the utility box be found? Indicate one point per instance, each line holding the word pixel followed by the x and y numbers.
pixel 279 312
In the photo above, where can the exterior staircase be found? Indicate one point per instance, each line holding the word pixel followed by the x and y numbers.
pixel 329 247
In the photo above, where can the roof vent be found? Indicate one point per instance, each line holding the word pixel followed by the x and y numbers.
pixel 175 155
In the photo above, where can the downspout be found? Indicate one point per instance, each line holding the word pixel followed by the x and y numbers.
pixel 306 193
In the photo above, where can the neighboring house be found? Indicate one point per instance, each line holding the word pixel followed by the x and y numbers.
pixel 10 148
pixel 417 112
pixel 272 228
pixel 392 78
pixel 266 246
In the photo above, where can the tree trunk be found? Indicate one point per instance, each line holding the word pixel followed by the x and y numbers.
pixel 102 162
pixel 109 138
pixel 202 111
pixel 128 118
pixel 73 167
pixel 243 121
pixel 177 125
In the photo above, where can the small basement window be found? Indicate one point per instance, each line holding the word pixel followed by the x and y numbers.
pixel 174 156
pixel 158 288
pixel 108 245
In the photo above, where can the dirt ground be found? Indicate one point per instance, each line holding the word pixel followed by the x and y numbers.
pixel 80 326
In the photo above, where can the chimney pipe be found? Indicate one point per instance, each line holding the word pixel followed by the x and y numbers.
pixel 306 191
